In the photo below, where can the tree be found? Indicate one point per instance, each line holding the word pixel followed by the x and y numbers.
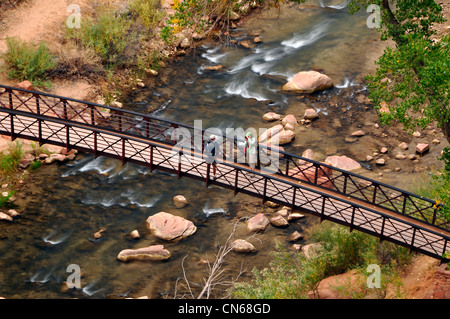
pixel 412 81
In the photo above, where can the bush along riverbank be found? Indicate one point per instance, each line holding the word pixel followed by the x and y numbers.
pixel 112 47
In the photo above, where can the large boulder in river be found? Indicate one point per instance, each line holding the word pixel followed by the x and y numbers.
pixel 155 252
pixel 343 162
pixel 308 82
pixel 277 135
pixel 259 222
pixel 170 227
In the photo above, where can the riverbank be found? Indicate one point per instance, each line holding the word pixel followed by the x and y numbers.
pixel 42 21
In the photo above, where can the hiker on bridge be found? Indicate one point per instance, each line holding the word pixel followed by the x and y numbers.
pixel 212 149
pixel 250 150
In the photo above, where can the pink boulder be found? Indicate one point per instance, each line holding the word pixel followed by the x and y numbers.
pixel 343 162
pixel 170 227
pixel 308 82
pixel 258 222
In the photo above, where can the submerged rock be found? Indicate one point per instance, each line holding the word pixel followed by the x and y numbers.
pixel 242 246
pixel 99 234
pixel 217 67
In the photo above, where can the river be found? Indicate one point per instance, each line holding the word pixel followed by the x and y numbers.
pixel 63 205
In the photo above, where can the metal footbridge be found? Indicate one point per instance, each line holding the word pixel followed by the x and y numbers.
pixel 319 189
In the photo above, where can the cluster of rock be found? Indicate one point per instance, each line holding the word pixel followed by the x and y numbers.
pixel 172 229
pixel 9 215
pixel 165 226
pixel 49 155
pixel 284 132
pixel 259 223
pixel 379 157
pixel 61 156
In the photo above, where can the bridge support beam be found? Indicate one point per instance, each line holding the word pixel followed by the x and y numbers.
pixel 322 213
pixel 265 190
pixel 208 172
pixel 179 164
pixel 352 225
pixel 151 159
pixel 382 229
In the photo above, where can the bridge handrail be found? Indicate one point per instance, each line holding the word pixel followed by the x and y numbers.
pixel 320 169
pixel 332 206
pixel 231 165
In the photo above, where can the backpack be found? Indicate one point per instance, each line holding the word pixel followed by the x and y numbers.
pixel 212 151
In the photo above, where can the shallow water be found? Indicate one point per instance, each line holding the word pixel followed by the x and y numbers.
pixel 64 205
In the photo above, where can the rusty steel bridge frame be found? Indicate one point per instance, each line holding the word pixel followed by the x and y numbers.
pixel 343 197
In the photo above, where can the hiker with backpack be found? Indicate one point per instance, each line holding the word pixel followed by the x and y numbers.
pixel 250 150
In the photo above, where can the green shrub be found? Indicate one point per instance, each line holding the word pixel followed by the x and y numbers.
pixel 293 275
pixel 10 160
pixel 5 202
pixel 148 12
pixel 25 61
pixel 439 187
pixel 35 165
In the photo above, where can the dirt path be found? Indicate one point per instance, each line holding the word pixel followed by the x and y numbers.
pixel 35 21
pixel 43 20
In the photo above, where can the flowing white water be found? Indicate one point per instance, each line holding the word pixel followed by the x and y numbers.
pixel 338 6
pixel 55 240
pixel 301 39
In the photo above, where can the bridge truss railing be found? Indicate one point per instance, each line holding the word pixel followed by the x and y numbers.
pixel 299 169
pixel 326 204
